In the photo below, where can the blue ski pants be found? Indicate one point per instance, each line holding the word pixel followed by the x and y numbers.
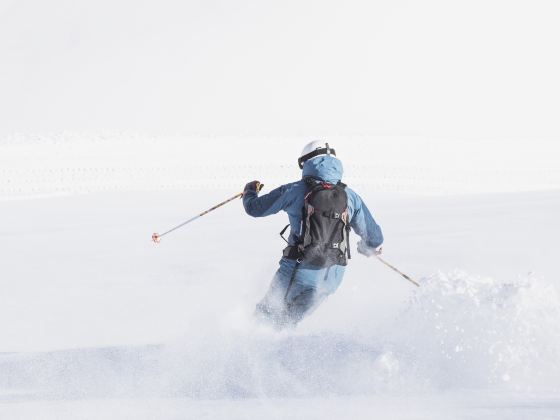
pixel 297 289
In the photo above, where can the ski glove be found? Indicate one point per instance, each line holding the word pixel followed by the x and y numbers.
pixel 367 250
pixel 254 186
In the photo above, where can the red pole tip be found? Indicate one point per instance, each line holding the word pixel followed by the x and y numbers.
pixel 155 238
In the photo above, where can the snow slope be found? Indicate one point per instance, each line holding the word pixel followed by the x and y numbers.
pixel 98 322
pixel 445 115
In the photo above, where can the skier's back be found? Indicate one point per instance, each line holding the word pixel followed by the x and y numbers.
pixel 310 270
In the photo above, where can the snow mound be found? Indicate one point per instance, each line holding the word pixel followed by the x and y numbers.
pixel 464 331
pixel 457 331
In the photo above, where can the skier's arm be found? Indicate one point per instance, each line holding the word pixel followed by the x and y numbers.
pixel 264 205
pixel 364 224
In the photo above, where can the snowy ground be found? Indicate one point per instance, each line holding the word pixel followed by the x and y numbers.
pixel 98 322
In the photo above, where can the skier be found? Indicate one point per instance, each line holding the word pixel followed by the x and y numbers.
pixel 321 210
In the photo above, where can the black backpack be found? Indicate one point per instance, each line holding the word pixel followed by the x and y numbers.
pixel 325 226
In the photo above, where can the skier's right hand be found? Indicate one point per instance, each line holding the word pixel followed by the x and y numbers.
pixel 254 186
pixel 367 250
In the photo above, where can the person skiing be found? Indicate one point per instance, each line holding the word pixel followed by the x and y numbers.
pixel 321 210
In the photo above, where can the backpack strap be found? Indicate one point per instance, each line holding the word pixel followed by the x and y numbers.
pixel 310 182
pixel 284 231
pixel 347 228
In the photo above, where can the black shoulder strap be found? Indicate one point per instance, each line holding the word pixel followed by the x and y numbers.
pixel 310 182
pixel 284 231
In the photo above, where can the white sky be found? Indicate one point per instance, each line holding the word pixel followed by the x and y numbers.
pixel 393 67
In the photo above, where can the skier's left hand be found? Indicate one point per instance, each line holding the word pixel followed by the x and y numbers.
pixel 367 250
pixel 253 186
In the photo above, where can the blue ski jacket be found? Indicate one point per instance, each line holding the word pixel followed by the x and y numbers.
pixel 289 197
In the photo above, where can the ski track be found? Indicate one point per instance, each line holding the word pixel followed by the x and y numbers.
pixel 63 163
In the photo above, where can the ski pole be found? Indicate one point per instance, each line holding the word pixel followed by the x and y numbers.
pixel 156 237
pixel 397 270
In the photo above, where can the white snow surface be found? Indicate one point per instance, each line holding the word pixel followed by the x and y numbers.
pixel 98 322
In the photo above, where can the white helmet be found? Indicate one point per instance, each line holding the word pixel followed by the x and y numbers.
pixel 314 149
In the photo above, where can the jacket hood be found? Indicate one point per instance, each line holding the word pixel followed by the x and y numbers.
pixel 325 167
